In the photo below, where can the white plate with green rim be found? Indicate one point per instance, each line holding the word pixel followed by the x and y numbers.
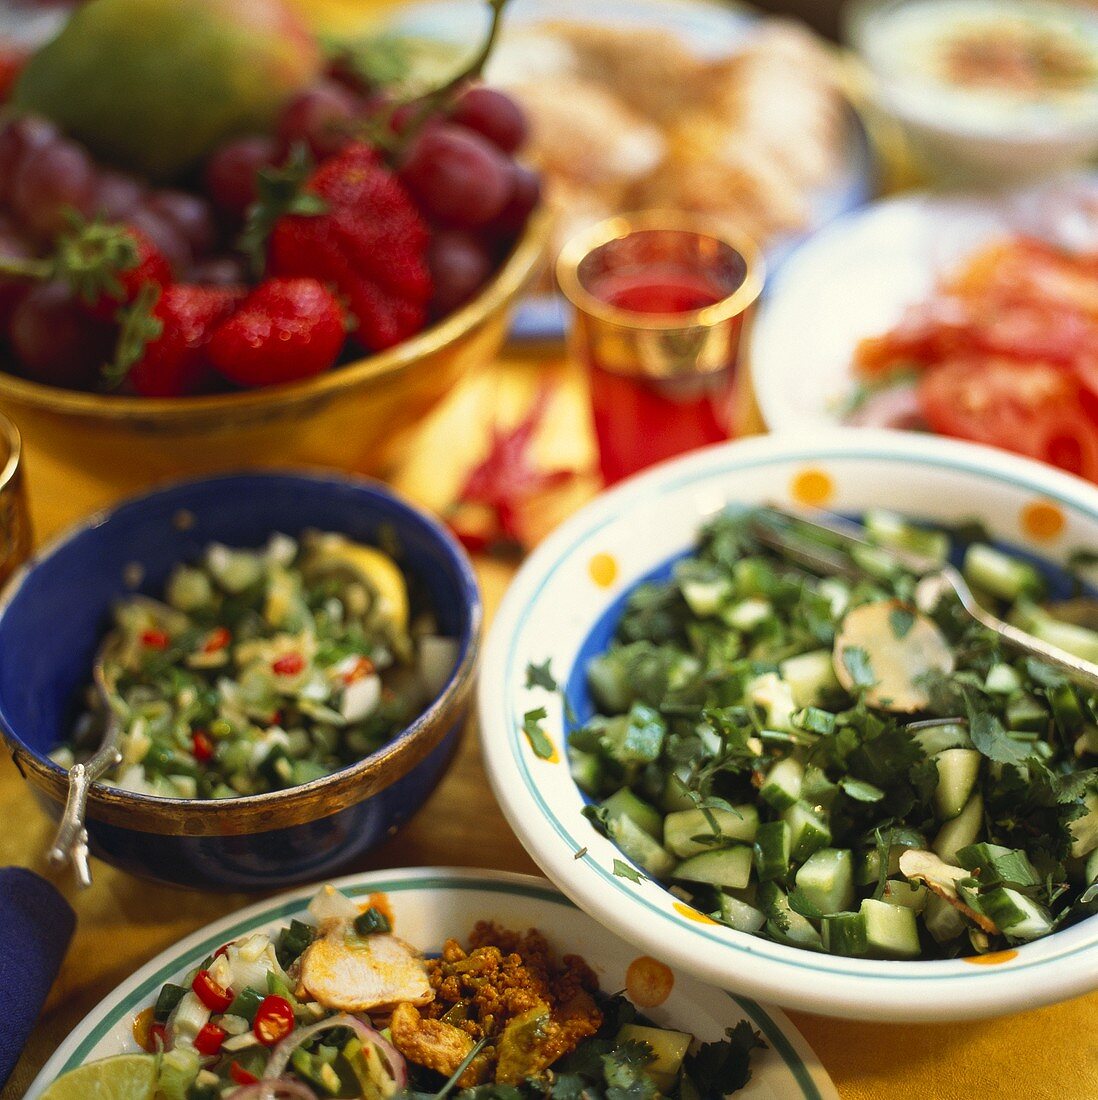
pixel 431 904
pixel 565 603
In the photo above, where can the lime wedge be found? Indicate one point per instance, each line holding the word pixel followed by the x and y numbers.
pixel 124 1077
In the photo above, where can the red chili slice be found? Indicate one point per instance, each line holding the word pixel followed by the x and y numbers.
pixel 290 665
pixel 155 639
pixel 274 1020
pixel 213 996
pixel 218 640
pixel 362 668
pixel 241 1076
pixel 208 1041
pixel 201 746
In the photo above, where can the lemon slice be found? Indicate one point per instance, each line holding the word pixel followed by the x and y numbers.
pixel 378 571
pixel 124 1077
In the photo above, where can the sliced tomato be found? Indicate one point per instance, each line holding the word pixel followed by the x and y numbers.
pixel 1034 409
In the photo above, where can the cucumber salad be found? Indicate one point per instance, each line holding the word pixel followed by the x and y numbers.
pixel 337 1005
pixel 263 669
pixel 847 765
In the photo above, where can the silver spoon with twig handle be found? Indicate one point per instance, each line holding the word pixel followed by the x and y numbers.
pixel 70 845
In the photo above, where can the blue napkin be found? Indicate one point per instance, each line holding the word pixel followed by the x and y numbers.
pixel 36 924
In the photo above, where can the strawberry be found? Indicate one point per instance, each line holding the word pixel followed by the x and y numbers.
pixel 284 330
pixel 162 346
pixel 142 263
pixel 367 239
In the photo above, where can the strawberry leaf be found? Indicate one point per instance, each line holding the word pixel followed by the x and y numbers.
pixel 90 256
pixel 281 192
pixel 139 327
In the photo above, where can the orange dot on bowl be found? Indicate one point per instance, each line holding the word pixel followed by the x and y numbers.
pixel 603 569
pixel 994 958
pixel 691 913
pixel 648 982
pixel 1042 520
pixel 812 487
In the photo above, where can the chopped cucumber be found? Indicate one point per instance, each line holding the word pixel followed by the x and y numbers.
pixel 912 894
pixel 1015 914
pixel 1000 574
pixel 826 879
pixel 625 803
pixel 1027 714
pixel 586 770
pixel 958 770
pixel 676 794
pixel 727 867
pixel 739 915
pixel 808 829
pixel 704 597
pixel 783 923
pixel 943 921
pixel 773 850
pixel 782 786
pixel 646 852
pixel 681 828
pixel 634 738
pixel 999 866
pixel 889 529
pixel 890 930
pixel 746 615
pixel 1079 640
pixel 809 676
pixel 938 738
pixel 961 831
pixel 668 1051
pixel 609 683
pixel 844 934
pixel 817 789
pixel 1002 680
pixel 774 697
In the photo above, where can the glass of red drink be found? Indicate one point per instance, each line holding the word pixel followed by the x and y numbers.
pixel 659 304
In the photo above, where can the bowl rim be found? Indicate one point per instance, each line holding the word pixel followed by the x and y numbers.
pixel 247 814
pixel 510 278
pixel 642 913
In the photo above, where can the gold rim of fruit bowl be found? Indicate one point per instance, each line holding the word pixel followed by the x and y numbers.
pixel 516 272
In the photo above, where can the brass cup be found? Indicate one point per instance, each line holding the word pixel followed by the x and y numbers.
pixel 15 527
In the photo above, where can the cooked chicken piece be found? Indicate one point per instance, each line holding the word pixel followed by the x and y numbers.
pixel 432 1043
pixel 373 973
pixel 942 878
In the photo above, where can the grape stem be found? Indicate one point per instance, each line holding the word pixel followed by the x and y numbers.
pixel 12 267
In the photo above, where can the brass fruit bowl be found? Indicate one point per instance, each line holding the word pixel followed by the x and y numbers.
pixel 349 418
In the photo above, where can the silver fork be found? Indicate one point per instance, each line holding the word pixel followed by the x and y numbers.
pixel 935 579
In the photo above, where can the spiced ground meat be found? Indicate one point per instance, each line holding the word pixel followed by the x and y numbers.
pixel 507 987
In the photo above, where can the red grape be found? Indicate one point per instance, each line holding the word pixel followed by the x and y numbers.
pixel 117 194
pixel 492 114
pixel 18 139
pixel 320 117
pixel 12 246
pixel 458 177
pixel 230 173
pixel 525 195
pixel 190 214
pixel 165 236
pixel 56 340
pixel 460 264
pixel 49 182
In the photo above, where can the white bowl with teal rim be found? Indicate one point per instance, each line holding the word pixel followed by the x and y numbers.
pixel 565 603
pixel 430 904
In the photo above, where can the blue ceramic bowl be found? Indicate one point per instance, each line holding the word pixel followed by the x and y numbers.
pixel 54 614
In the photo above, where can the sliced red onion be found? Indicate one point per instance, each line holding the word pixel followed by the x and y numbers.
pixel 283 1089
pixel 893 407
pixel 280 1056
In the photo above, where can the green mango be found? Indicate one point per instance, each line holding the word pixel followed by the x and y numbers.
pixel 154 86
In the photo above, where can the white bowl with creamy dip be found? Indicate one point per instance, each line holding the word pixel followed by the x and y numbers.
pixel 991 91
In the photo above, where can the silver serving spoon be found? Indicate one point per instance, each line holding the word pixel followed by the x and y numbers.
pixel 776 527
pixel 70 845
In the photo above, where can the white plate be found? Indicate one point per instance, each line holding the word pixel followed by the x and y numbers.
pixel 711 30
pixel 565 604
pixel 433 903
pixel 856 276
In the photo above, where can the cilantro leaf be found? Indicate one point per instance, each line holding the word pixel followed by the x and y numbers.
pixel 539 740
pixel 901 620
pixel 856 662
pixel 991 738
pixel 625 870
pixel 541 675
pixel 724 1066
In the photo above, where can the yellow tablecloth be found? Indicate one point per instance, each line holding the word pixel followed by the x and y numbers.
pixel 122 922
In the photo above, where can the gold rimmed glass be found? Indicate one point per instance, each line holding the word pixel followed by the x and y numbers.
pixel 660 299
pixel 15 529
